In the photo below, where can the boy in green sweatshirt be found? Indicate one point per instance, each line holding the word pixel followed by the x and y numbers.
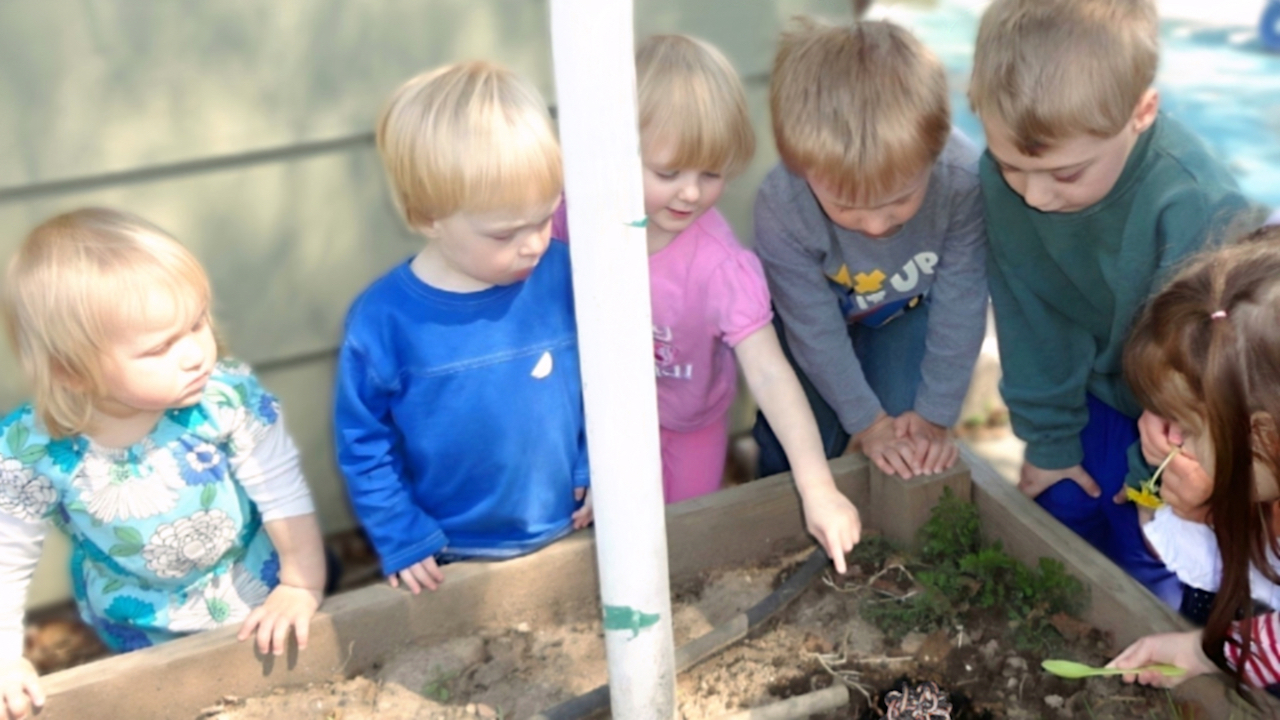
pixel 1092 196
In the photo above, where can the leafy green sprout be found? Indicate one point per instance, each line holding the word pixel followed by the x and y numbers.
pixel 959 573
pixel 437 688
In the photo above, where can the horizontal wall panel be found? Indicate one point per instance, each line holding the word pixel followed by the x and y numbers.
pixel 101 86
pixel 287 245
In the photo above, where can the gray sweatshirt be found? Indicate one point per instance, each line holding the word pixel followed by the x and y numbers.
pixel 940 251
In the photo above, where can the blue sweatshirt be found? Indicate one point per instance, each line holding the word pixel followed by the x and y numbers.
pixel 458 416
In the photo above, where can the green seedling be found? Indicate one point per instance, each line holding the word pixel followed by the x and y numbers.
pixel 1077 671
pixel 438 688
pixel 958 575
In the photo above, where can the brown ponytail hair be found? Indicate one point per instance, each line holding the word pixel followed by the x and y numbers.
pixel 1206 353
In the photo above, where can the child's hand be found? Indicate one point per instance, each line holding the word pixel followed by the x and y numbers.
pixel 286 607
pixel 584 515
pixel 20 687
pixel 1034 480
pixel 934 449
pixel 1159 436
pixel 1180 649
pixel 881 444
pixel 422 574
pixel 833 521
pixel 1185 486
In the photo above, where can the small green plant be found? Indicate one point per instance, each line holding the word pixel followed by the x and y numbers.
pixel 437 688
pixel 952 532
pixel 958 573
pixel 926 611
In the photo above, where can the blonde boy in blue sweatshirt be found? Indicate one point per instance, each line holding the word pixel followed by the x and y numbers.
pixel 458 411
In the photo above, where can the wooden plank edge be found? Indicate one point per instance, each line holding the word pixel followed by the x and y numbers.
pixel 898 508
pixel 356 630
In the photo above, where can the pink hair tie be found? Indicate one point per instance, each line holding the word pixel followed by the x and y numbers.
pixel 1218 315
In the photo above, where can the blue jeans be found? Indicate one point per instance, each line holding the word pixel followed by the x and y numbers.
pixel 890 357
pixel 1112 529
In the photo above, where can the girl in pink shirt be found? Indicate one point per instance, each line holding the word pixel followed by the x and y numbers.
pixel 710 301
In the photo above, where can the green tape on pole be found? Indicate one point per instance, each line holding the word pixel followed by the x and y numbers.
pixel 626 618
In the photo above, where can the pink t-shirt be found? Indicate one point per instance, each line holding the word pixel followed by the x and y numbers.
pixel 708 294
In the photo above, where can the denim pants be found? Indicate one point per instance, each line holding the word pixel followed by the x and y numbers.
pixel 890 356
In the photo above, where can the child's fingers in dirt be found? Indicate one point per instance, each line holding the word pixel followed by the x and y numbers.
pixel 835 550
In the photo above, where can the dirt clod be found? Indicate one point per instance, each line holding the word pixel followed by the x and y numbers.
pixel 935 649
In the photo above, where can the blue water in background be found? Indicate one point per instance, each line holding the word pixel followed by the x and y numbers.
pixel 1218 81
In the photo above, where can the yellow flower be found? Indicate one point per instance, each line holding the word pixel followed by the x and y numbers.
pixel 1144 497
pixel 1147 494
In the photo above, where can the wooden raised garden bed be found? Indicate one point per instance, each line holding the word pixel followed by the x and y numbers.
pixel 358 630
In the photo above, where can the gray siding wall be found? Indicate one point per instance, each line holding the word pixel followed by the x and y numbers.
pixel 245 128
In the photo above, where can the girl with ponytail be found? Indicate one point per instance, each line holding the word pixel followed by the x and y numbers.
pixel 1205 356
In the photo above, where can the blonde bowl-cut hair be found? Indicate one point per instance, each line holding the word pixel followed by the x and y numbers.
pixel 468 137
pixel 1053 69
pixel 862 107
pixel 690 96
pixel 72 289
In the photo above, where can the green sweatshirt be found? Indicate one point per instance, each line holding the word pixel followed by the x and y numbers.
pixel 1066 287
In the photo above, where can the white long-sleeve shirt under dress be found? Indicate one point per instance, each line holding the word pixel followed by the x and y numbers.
pixel 167 535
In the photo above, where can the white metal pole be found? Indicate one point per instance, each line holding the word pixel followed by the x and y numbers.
pixel 593 49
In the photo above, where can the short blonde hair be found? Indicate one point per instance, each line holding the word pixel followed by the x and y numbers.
pixel 862 107
pixel 690 95
pixel 74 285
pixel 1052 69
pixel 468 137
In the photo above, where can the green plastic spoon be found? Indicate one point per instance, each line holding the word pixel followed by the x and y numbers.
pixel 1075 670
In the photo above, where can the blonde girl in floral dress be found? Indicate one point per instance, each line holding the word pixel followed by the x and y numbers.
pixel 169 468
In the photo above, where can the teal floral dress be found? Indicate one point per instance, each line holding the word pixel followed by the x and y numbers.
pixel 165 541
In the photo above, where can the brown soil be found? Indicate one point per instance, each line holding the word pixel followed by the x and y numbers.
pixel 57 639
pixel 515 672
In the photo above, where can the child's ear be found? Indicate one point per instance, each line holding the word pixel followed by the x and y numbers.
pixel 421 224
pixel 428 228
pixel 1144 113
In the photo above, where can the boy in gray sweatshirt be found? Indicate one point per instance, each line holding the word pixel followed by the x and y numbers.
pixel 873 241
